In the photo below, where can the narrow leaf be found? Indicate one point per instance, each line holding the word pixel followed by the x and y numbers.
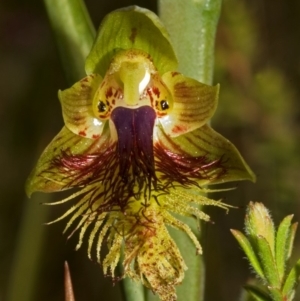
pixel 268 262
pixel 276 294
pixel 281 247
pixel 291 239
pixel 247 248
pixel 292 279
pixel 257 293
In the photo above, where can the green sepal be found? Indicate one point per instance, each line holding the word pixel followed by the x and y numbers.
pixel 247 248
pixel 257 293
pixel 268 262
pixel 46 176
pixel 208 143
pixel 127 28
pixel 292 281
pixel 281 246
pixel 194 103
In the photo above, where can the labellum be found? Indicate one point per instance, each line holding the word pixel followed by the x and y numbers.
pixel 137 145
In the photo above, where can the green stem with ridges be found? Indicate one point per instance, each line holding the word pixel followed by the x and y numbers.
pixel 192 26
pixel 27 258
pixel 74 33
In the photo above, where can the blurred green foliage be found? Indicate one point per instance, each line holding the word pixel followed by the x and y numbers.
pixel 257 64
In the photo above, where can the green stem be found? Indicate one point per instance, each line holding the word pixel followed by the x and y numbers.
pixel 74 33
pixel 28 256
pixel 133 291
pixel 192 26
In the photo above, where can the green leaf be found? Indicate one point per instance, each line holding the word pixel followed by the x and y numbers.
pixel 291 239
pixel 292 279
pixel 281 246
pixel 268 262
pixel 257 293
pixel 227 163
pixel 276 294
pixel 127 28
pixel 247 248
pixel 74 33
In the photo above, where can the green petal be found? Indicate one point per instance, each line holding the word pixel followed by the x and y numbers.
pixel 48 178
pixel 78 110
pixel 215 148
pixel 127 28
pixel 194 104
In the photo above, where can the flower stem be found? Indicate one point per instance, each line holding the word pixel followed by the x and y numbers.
pixel 192 26
pixel 74 33
pixel 28 256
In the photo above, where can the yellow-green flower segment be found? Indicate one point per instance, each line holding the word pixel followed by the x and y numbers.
pixel 137 143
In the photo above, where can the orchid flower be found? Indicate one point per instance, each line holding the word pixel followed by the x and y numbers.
pixel 137 144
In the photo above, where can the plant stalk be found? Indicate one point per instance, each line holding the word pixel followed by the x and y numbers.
pixel 74 33
pixel 192 25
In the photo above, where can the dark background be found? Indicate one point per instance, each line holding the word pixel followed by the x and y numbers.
pixel 258 66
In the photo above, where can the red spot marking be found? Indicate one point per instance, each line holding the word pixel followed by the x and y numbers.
pixel 156 91
pixel 109 92
pixel 113 101
pixel 174 73
pixel 133 35
pixel 116 93
pixel 149 92
pixel 82 133
pixel 83 86
pixel 85 80
pixel 179 129
pixel 95 136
